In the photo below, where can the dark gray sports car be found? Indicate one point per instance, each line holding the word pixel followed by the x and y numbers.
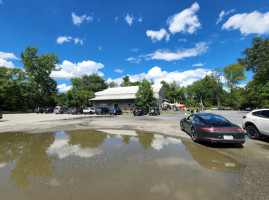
pixel 212 128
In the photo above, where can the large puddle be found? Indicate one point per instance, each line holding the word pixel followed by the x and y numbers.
pixel 111 164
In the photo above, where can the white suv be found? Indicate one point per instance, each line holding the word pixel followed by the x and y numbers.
pixel 89 111
pixel 256 123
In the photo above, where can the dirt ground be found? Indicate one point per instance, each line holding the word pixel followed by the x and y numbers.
pixel 254 154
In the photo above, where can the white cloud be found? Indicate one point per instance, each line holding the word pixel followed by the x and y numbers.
pixel 222 14
pixel 180 54
pixel 6 63
pixel 158 35
pixel 129 19
pixel 156 75
pixel 134 50
pixel 62 149
pixel 77 20
pixel 133 59
pixel 140 19
pixel 77 40
pixel 198 65
pixel 159 142
pixel 100 48
pixel 185 21
pixel 8 56
pixel 62 39
pixel 64 87
pixel 248 23
pixel 69 69
pixel 1 1
pixel 119 71
pixel 4 57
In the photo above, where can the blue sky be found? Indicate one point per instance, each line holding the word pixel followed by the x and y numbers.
pixel 179 40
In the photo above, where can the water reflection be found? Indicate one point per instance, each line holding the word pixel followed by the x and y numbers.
pixel 30 153
pixel 212 159
pixel 37 155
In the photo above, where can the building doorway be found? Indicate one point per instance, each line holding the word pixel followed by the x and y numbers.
pixel 115 105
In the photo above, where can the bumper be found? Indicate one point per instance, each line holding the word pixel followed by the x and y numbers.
pixel 216 140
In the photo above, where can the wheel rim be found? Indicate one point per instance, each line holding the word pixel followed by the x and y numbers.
pixel 193 135
pixel 252 132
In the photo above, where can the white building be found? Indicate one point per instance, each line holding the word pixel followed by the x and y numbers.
pixel 123 97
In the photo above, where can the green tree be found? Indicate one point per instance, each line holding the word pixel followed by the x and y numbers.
pixel 174 92
pixel 113 84
pixel 256 60
pixel 126 82
pixel 234 73
pixel 38 70
pixel 145 96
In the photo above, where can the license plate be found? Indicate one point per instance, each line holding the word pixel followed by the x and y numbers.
pixel 228 137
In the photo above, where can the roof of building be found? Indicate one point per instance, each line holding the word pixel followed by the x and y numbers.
pixel 121 92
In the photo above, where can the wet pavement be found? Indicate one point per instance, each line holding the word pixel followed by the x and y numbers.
pixel 113 164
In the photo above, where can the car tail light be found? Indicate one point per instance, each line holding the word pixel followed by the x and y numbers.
pixel 244 117
pixel 139 110
pixel 213 129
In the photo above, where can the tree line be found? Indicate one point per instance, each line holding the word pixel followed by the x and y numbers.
pixel 30 87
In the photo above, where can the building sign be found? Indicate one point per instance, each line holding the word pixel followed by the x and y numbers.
pixel 103 105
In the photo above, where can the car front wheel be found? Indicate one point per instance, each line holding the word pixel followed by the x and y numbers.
pixel 252 132
pixel 182 126
pixel 194 135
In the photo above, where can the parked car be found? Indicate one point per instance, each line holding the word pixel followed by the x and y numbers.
pixel 212 128
pixel 154 111
pixel 60 110
pixel 115 111
pixel 221 108
pixel 102 110
pixel 139 111
pixel 1 114
pixel 90 110
pixel 39 110
pixel 256 123
pixel 76 111
pixel 49 110
pixel 69 110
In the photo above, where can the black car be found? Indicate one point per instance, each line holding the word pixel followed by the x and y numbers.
pixel 40 110
pixel 102 110
pixel 76 111
pixel 139 111
pixel 154 111
pixel 212 128
pixel 49 110
pixel 115 111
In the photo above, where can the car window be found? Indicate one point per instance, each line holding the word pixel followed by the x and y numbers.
pixel 195 118
pixel 214 118
pixel 264 113
pixel 257 113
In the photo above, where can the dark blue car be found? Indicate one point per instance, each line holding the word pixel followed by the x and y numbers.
pixel 115 111
pixel 102 110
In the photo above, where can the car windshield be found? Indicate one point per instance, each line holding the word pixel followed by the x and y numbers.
pixel 214 119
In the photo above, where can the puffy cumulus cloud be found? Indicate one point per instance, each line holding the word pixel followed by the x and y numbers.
pixel 140 19
pixel 248 23
pixel 4 57
pixel 185 21
pixel 222 14
pixel 64 87
pixel 68 69
pixel 8 56
pixel 158 35
pixel 62 39
pixel 129 19
pixel 180 54
pixel 6 63
pixel 77 20
pixel 156 74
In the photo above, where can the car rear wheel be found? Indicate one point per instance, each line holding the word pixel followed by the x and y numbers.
pixel 182 126
pixel 194 135
pixel 252 132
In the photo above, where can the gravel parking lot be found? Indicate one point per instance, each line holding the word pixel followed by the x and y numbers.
pixel 253 154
